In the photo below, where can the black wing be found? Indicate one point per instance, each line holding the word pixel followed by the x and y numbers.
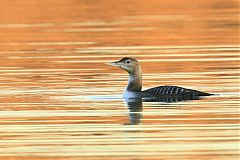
pixel 174 91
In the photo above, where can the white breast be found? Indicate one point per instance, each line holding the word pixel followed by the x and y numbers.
pixel 131 94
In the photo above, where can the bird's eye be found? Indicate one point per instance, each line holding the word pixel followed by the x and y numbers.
pixel 127 61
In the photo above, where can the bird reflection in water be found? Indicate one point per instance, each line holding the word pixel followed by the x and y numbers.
pixel 135 105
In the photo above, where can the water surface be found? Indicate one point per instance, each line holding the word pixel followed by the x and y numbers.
pixel 58 99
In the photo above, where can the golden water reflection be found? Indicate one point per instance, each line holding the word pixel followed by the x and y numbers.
pixel 58 99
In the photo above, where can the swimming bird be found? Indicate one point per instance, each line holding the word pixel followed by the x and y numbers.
pixel 134 87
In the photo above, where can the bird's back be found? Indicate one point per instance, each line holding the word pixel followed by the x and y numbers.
pixel 174 91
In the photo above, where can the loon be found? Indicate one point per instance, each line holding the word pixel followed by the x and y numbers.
pixel 134 87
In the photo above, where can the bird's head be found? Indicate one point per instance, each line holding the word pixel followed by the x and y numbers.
pixel 130 65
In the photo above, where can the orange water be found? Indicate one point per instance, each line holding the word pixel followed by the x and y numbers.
pixel 58 100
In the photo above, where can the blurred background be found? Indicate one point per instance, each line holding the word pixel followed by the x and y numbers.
pixel 59 100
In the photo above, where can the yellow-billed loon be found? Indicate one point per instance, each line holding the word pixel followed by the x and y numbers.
pixel 134 87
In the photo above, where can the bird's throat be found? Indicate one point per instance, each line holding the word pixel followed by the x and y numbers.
pixel 135 81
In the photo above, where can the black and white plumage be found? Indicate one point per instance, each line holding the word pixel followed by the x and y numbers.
pixel 174 90
pixel 134 87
